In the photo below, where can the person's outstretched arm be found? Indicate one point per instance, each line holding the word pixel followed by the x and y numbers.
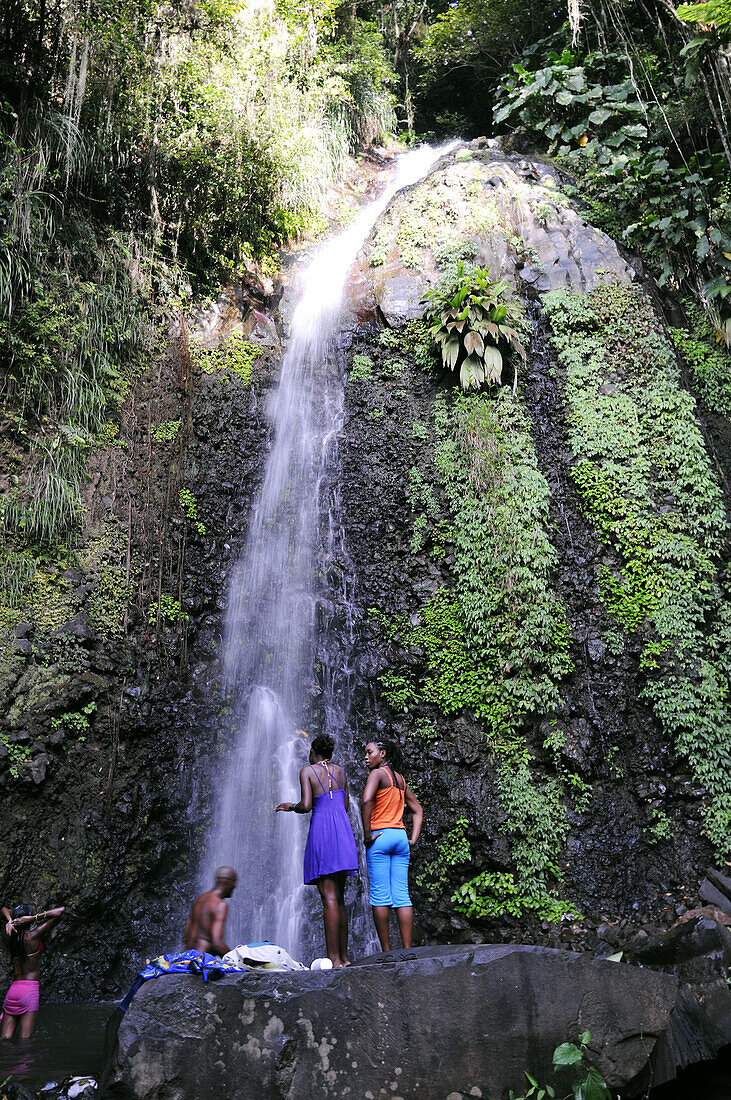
pixel 305 803
pixel 417 816
pixel 46 918
pixel 50 918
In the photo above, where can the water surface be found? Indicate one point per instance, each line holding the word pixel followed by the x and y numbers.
pixel 68 1041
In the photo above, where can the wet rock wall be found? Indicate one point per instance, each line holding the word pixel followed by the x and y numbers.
pixel 111 705
pixel 636 846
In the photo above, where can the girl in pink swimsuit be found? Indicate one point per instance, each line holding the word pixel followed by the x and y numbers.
pixel 22 931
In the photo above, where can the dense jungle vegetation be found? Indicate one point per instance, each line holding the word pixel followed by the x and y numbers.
pixel 149 150
pixel 151 153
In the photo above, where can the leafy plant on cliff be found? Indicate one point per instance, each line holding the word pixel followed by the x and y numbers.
pixel 588 1083
pixel 189 504
pixel 469 324
pixel 644 477
pixel 706 357
pixel 452 850
pixel 234 357
pixel 497 644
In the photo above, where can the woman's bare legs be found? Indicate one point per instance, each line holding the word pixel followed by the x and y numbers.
pixel 405 914
pixel 343 934
pixel 380 919
pixel 8 1026
pixel 331 906
pixel 27 1024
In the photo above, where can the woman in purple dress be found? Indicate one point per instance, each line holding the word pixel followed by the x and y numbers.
pixel 330 854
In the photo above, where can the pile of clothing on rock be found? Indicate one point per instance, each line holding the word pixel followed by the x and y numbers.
pixel 247 956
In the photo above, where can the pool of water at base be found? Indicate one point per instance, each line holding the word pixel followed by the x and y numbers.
pixel 68 1040
pixel 706 1081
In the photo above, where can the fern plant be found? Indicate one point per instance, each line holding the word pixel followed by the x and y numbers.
pixel 470 325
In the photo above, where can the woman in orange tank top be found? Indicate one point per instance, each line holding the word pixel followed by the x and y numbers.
pixel 384 799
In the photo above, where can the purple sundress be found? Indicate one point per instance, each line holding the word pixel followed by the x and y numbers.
pixel 330 843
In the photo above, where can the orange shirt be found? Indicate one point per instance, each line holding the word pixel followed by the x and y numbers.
pixel 388 807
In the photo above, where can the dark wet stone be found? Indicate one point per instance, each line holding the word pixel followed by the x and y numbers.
pixel 424 1020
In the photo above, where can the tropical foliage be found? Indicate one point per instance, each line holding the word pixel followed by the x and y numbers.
pixel 591 111
pixel 469 325
pixel 147 151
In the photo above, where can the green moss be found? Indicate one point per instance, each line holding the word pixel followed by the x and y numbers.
pixel 52 600
pixel 382 246
pixel 105 555
pixel 645 479
pixel 496 644
pixel 425 220
pixel 361 369
pixel 235 357
pixel 165 433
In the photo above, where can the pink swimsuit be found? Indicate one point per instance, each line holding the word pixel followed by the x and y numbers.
pixel 22 997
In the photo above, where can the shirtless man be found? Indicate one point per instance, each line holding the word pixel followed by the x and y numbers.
pixel 206 924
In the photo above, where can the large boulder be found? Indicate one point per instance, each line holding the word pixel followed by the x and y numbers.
pixel 698 953
pixel 431 1022
pixel 507 213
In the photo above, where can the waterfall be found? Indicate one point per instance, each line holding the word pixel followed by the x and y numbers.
pixel 271 615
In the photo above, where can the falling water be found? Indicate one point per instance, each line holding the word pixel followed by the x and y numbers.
pixel 271 617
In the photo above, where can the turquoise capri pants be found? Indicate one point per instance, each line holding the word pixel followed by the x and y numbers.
pixel 387 860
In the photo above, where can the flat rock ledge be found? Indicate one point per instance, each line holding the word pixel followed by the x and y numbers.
pixel 434 1022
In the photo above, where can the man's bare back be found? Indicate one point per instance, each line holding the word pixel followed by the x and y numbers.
pixel 206 924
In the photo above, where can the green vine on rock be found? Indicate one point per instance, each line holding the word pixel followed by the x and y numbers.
pixel 190 507
pixel 497 644
pixel 645 479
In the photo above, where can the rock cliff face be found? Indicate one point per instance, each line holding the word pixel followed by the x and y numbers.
pixel 509 215
pixel 108 704
pixel 105 807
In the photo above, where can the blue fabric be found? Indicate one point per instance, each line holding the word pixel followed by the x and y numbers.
pixel 210 967
pixel 388 868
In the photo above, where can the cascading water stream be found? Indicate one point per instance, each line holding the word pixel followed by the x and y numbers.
pixel 271 615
